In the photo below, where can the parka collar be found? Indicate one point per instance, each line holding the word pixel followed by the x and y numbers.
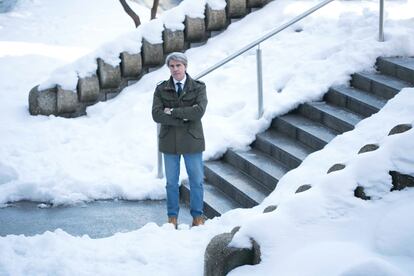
pixel 187 87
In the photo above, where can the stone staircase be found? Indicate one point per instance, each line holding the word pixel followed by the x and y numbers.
pixel 244 179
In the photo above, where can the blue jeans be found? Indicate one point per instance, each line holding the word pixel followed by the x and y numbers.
pixel 194 166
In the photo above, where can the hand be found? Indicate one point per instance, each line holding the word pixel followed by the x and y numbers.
pixel 167 110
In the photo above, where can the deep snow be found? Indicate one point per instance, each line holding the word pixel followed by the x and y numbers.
pixel 111 152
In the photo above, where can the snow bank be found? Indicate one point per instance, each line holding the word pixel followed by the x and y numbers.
pixel 327 229
pixel 111 153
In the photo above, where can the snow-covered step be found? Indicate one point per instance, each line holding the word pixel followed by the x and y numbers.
pixel 334 117
pixel 309 132
pixel 381 85
pixel 283 148
pixel 354 99
pixel 238 186
pixel 399 67
pixel 215 201
pixel 246 178
pixel 258 165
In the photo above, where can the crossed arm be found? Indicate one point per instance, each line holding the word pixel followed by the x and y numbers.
pixel 158 114
pixel 177 116
pixel 194 112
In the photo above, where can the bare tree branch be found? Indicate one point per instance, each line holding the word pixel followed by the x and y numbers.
pixel 131 13
pixel 154 9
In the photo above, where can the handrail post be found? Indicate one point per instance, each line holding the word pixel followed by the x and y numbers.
pixel 381 21
pixel 160 173
pixel 259 82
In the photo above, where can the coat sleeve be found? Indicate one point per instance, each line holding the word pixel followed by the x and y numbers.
pixel 158 114
pixel 195 112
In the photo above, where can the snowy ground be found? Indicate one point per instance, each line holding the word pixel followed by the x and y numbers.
pixel 111 152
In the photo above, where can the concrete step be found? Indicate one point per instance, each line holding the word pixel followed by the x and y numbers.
pixel 215 201
pixel 399 67
pixel 311 133
pixel 281 147
pixel 240 187
pixel 334 117
pixel 357 100
pixel 246 178
pixel 381 85
pixel 258 165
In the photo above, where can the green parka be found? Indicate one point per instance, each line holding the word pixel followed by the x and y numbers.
pixel 182 131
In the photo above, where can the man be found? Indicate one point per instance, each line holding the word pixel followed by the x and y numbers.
pixel 179 104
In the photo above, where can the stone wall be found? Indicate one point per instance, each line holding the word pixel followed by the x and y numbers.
pixel 108 81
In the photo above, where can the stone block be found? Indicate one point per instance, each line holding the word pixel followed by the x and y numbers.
pixel 173 41
pixel 368 148
pixel 336 167
pixel 152 54
pixel 236 8
pixel 88 89
pixel 235 230
pixel 66 101
pixel 303 188
pixel 220 258
pixel 42 102
pixel 215 20
pixel 256 3
pixel 401 181
pixel 360 193
pixel 269 209
pixel 111 95
pixel 195 29
pixel 109 76
pixel 131 65
pixel 257 254
pixel 400 129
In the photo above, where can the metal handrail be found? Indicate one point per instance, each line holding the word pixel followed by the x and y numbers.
pixel 263 38
pixel 259 57
pixel 381 21
pixel 281 28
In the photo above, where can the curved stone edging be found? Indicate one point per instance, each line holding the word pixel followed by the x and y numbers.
pixel 108 80
pixel 220 258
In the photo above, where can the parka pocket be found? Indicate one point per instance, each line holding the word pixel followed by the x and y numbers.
pixel 164 131
pixel 189 99
pixel 169 100
pixel 197 134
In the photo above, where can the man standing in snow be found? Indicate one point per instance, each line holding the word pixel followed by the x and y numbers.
pixel 179 104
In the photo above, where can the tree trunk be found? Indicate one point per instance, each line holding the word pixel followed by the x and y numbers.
pixel 154 9
pixel 131 13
